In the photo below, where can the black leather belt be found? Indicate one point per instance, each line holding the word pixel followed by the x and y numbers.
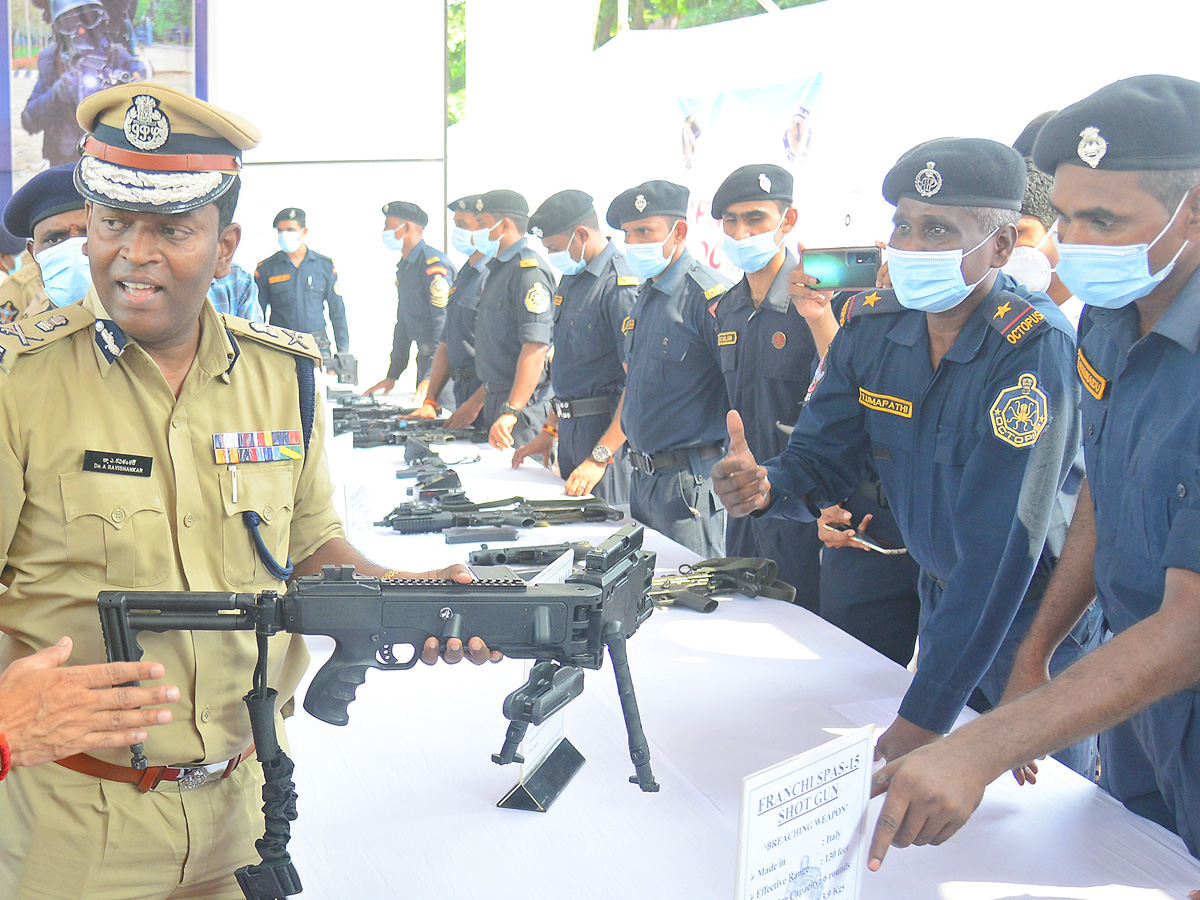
pixel 577 409
pixel 672 459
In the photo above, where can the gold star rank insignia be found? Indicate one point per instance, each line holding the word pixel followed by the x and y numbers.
pixel 1003 310
pixel 871 299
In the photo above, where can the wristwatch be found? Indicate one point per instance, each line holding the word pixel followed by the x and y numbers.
pixel 509 410
pixel 601 454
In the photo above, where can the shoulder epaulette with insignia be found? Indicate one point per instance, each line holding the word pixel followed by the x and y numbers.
pixel 430 260
pixel 870 303
pixel 712 282
pixel 29 335
pixel 25 274
pixel 625 276
pixel 316 255
pixel 294 342
pixel 1013 316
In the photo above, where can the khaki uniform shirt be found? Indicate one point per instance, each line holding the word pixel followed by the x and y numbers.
pixel 152 509
pixel 22 293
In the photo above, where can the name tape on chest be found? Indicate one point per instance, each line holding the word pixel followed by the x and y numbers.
pixel 627 325
pixel 276 279
pixel 111 463
pixel 726 338
pixel 1096 384
pixel 558 299
pixel 232 447
pixel 885 403
pixel 1020 412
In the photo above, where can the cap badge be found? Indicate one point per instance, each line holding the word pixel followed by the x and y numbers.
pixel 1092 146
pixel 764 182
pixel 536 231
pixel 479 205
pixel 146 126
pixel 462 204
pixel 928 181
pixel 640 203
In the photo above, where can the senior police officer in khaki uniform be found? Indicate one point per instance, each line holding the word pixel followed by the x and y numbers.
pixel 136 428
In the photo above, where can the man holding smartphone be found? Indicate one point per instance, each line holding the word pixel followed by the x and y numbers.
pixel 960 386
pixel 767 353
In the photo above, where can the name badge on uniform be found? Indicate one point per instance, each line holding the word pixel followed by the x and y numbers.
pixel 726 338
pixel 884 403
pixel 276 279
pixel 1096 384
pixel 232 447
pixel 627 325
pixel 117 463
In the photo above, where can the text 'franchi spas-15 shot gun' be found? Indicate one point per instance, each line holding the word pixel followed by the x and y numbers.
pixel 565 626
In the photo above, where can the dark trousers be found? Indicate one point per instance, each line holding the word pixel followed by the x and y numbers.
pixel 793 545
pixel 576 439
pixel 869 595
pixel 681 504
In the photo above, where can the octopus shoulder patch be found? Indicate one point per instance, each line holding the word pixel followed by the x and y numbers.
pixel 1020 412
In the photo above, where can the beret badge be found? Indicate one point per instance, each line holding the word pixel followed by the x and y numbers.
pixel 640 203
pixel 928 181
pixel 764 182
pixel 1092 146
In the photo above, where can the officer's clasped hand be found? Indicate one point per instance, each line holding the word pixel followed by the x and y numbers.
pixel 739 481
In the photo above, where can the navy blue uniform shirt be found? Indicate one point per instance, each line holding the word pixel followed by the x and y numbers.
pixel 459 332
pixel 767 356
pixel 423 280
pixel 589 310
pixel 972 457
pixel 675 396
pixel 295 297
pixel 515 308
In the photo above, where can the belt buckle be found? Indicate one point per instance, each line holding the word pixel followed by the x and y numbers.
pixel 562 409
pixel 190 779
pixel 647 462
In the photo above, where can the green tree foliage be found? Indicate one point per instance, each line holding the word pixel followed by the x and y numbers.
pixel 456 60
pixel 171 18
pixel 679 13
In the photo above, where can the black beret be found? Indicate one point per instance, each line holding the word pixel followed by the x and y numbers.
pixel 1037 196
pixel 1024 142
pixel 958 172
pixel 409 212
pixel 464 204
pixel 650 198
pixel 502 203
pixel 10 244
pixel 560 212
pixel 758 182
pixel 1144 123
pixel 46 194
pixel 291 214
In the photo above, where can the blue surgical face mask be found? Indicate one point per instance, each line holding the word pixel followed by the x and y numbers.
pixel 1112 277
pixel 460 240
pixel 752 253
pixel 289 241
pixel 65 271
pixel 482 241
pixel 931 280
pixel 390 241
pixel 565 262
pixel 648 260
pixel 18 261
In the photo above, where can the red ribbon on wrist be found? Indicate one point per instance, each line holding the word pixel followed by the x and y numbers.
pixel 5 757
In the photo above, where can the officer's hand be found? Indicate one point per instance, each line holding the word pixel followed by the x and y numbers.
pixel 66 90
pixel 542 446
pixel 418 397
pixel 585 477
pixel 51 712
pixel 500 435
pixel 810 303
pixel 425 411
pixel 831 537
pixel 465 414
pixel 1024 678
pixel 738 480
pixel 475 650
pixel 386 386
pixel 931 793
pixel 902 737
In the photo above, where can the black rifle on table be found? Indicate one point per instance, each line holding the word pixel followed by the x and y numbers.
pixel 565 626
pixel 514 512
pixel 537 555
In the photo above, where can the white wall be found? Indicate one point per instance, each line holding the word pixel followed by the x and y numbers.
pixel 351 110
